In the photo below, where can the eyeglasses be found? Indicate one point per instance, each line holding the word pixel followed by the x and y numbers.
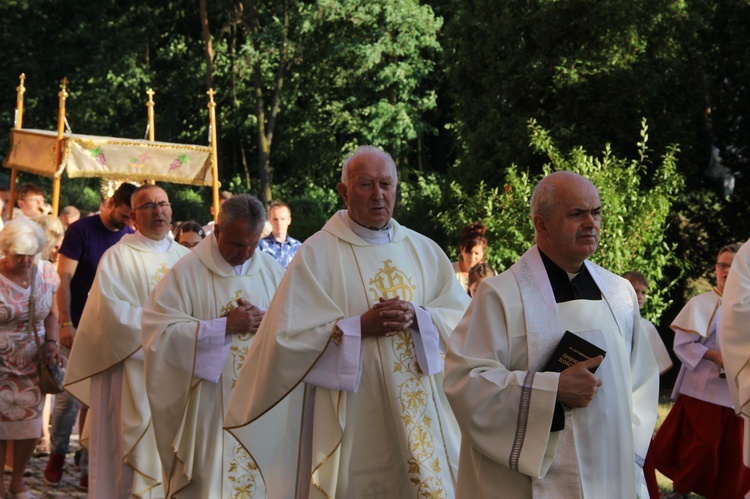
pixel 152 206
pixel 723 266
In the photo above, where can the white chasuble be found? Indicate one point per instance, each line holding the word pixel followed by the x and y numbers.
pixel 394 436
pixel 504 404
pixel 372 431
pixel 201 460
pixel 108 336
pixel 734 327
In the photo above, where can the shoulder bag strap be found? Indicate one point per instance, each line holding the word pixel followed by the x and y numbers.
pixel 31 326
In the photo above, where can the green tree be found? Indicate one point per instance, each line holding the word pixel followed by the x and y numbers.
pixel 636 195
pixel 584 69
pixel 314 80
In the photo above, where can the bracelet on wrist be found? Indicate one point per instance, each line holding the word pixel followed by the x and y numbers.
pixel 66 324
pixel 49 340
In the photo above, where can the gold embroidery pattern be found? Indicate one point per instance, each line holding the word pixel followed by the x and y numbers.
pixel 390 282
pixel 237 351
pixel 337 336
pixel 231 304
pixel 160 272
pixel 424 464
pixel 243 474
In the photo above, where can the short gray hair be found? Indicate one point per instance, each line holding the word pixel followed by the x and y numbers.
pixel 361 152
pixel 54 231
pixel 543 199
pixel 70 211
pixel 22 236
pixel 242 207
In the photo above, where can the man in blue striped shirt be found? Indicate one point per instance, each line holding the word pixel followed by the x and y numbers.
pixel 279 244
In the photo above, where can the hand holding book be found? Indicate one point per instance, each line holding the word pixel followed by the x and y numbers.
pixel 578 385
pixel 576 360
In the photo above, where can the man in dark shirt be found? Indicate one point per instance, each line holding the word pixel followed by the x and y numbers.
pixel 84 244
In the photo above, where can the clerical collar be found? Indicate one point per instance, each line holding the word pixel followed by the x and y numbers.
pixel 569 287
pixel 382 236
pixel 160 246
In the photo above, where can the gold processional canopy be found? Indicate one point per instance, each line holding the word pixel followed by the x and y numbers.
pixel 34 151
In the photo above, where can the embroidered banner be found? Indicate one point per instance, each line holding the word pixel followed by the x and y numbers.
pixel 33 151
pixel 92 156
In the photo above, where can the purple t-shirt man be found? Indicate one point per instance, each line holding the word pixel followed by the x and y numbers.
pixel 85 241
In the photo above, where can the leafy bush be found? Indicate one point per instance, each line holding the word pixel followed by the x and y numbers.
pixel 636 196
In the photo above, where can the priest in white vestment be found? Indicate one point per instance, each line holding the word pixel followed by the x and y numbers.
pixel 734 338
pixel 362 316
pixel 105 369
pixel 197 328
pixel 530 433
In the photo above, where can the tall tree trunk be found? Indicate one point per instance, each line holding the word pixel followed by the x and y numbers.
pixel 245 166
pixel 208 44
pixel 266 124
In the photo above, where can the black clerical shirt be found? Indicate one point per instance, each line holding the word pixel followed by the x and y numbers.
pixel 581 287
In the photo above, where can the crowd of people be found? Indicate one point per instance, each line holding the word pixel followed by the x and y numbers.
pixel 232 360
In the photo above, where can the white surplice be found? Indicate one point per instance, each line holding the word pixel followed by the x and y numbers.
pixel 734 337
pixel 375 422
pixel 658 348
pixel 191 369
pixel 105 369
pixel 504 404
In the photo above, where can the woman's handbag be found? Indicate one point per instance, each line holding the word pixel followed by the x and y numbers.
pixel 50 377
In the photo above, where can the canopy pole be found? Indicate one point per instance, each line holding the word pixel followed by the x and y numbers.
pixel 20 90
pixel 63 94
pixel 214 152
pixel 151 131
pixel 150 106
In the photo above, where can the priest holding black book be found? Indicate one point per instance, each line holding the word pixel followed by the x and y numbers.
pixel 529 430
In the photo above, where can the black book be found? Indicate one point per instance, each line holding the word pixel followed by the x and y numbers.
pixel 571 350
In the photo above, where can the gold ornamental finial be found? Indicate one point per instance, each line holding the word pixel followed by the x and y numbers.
pixel 21 88
pixel 211 94
pixel 63 94
pixel 150 93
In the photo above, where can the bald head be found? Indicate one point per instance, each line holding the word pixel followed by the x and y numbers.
pixel 566 212
pixel 543 198
pixel 368 186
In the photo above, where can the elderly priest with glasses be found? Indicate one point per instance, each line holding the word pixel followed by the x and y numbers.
pixel 106 370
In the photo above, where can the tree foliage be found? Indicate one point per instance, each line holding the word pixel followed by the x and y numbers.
pixel 586 70
pixel 312 80
pixel 300 83
pixel 637 197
